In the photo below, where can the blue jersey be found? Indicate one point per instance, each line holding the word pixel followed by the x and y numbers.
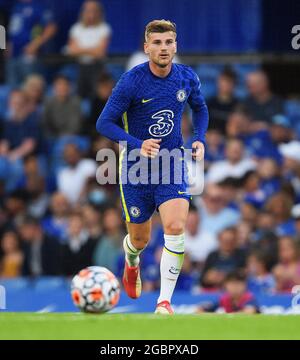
pixel 152 107
pixel 27 22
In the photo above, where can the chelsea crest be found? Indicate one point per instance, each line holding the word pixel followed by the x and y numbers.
pixel 181 95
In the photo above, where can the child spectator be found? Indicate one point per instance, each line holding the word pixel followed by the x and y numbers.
pixel 236 298
pixel 287 271
pixel 11 256
pixel 260 280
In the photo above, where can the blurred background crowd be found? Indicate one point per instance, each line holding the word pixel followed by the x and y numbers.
pixel 55 218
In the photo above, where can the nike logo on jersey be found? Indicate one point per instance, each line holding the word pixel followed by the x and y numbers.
pixel 182 192
pixel 146 100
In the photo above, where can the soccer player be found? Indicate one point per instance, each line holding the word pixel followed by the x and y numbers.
pixel 151 98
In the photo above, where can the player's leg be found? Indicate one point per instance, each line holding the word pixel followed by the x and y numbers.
pixel 173 214
pixel 134 242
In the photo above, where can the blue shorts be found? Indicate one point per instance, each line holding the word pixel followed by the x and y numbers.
pixel 139 201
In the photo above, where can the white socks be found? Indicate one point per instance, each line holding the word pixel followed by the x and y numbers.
pixel 170 265
pixel 131 253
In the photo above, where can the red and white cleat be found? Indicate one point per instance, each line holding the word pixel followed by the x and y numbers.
pixel 164 308
pixel 132 281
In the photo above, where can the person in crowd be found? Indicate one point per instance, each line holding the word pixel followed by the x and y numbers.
pixel 235 299
pixel 251 189
pixel 291 164
pixel 77 252
pixel 214 212
pixel 296 216
pixel 215 147
pixel 223 103
pixel 235 165
pixel 41 252
pixel 55 224
pixel 34 88
pixel 109 246
pixel 92 221
pixel 244 232
pixel 30 29
pixel 261 103
pixel 72 178
pixel 280 206
pixel 287 271
pixel 21 137
pixel 249 212
pixel 261 140
pixel 15 207
pixel 269 174
pixel 104 86
pixel 198 243
pixel 62 111
pixel 260 278
pixel 228 257
pixel 88 42
pixel 11 255
pixel 38 198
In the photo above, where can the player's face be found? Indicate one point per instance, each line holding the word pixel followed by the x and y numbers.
pixel 161 48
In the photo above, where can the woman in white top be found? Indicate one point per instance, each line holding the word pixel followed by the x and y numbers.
pixel 88 42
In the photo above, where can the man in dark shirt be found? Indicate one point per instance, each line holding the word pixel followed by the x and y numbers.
pixel 261 103
pixel 41 251
pixel 221 105
pixel 228 257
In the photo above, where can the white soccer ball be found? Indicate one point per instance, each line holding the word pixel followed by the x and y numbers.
pixel 95 289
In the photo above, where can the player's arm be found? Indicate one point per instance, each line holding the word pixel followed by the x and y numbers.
pixel 115 107
pixel 200 118
pixel 117 104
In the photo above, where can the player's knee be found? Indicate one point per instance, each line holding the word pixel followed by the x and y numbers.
pixel 139 241
pixel 174 227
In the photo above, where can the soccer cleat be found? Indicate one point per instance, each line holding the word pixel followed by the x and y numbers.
pixel 164 308
pixel 132 281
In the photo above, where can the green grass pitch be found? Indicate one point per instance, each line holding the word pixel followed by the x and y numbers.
pixel 147 326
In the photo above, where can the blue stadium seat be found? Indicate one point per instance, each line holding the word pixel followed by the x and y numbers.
pixel 116 70
pixel 4 94
pixel 292 110
pixel 15 284
pixel 49 283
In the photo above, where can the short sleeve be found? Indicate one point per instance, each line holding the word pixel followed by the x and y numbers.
pixel 73 32
pixel 106 30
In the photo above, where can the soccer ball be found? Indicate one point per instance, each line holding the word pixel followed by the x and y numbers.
pixel 95 289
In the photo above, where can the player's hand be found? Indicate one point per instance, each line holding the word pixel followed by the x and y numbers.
pixel 150 148
pixel 198 150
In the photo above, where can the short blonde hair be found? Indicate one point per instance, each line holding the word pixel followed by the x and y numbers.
pixel 159 26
